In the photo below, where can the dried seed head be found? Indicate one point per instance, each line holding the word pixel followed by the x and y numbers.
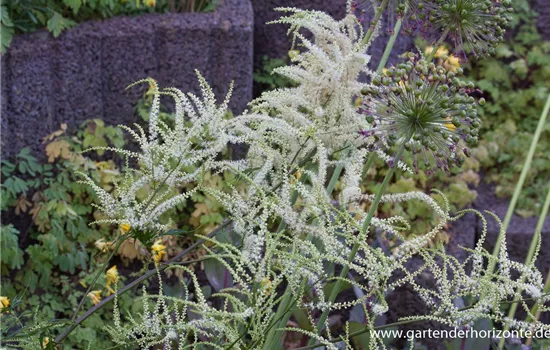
pixel 426 108
pixel 474 26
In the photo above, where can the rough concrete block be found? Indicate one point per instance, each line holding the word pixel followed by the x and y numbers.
pixel 520 230
pixel 198 43
pixel 30 101
pixel 79 80
pixel 271 39
pixel 543 20
pixel 234 28
pixel 4 83
pixel 128 55
pixel 84 72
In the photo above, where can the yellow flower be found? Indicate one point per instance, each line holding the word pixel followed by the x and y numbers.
pixel 452 63
pixel 45 342
pixel 125 228
pixel 4 302
pixel 297 176
pixel 102 165
pixel 111 276
pixel 449 125
pixel 103 245
pixel 441 51
pixel 159 250
pixel 293 53
pixel 95 296
pixel 266 285
pixel 151 3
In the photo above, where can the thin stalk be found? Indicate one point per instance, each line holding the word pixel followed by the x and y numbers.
pixel 535 310
pixel 519 185
pixel 437 44
pixel 389 46
pixel 334 178
pixel 375 22
pixel 135 282
pixel 529 260
pixel 368 165
pixel 121 239
pixel 364 228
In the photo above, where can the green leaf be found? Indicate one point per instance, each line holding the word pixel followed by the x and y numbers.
pixel 57 23
pixel 5 17
pixel 218 276
pixel 11 254
pixel 6 35
pixel 73 4
pixel 360 341
pixel 173 232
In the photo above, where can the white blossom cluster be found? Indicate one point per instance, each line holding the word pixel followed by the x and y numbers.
pixel 201 133
pixel 293 233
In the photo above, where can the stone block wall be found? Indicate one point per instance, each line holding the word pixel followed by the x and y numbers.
pixel 83 73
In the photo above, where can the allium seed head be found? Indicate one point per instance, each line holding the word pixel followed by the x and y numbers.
pixel 365 10
pixel 426 108
pixel 475 26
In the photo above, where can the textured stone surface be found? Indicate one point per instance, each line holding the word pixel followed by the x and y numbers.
pixel 520 230
pixel 543 22
pixel 83 73
pixel 4 129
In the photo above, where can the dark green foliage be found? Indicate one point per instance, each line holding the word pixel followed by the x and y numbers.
pixel 56 247
pixel 516 85
pixel 266 79
pixel 53 250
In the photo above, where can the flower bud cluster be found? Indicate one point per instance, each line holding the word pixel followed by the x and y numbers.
pixel 426 109
pixel 474 26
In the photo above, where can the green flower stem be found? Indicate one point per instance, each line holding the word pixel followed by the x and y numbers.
pixel 334 178
pixel 519 185
pixel 389 46
pixel 368 165
pixel 436 46
pixel 529 260
pixel 364 228
pixel 375 22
